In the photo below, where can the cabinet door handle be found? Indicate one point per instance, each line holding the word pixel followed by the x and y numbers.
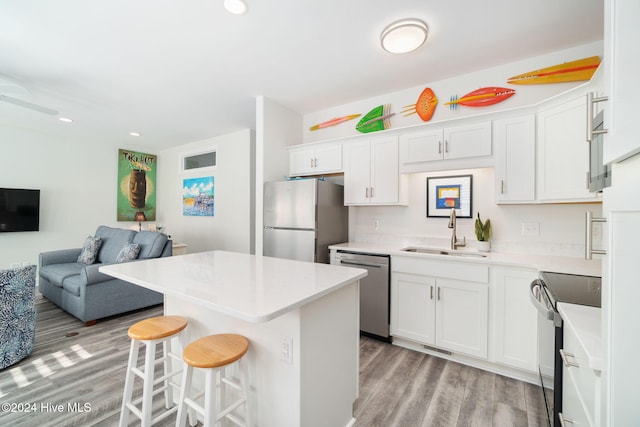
pixel 590 102
pixel 311 161
pixel 502 186
pixel 588 243
pixel 371 192
pixel 438 293
pixel 439 147
pixel 565 359
pixel 564 420
pixel 315 162
pixel 431 292
pixel 366 192
pixel 446 146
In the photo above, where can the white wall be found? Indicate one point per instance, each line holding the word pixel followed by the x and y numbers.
pixel 561 226
pixel 277 127
pixel 77 182
pixel 234 195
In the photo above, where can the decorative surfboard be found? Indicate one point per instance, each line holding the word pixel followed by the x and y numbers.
pixel 424 106
pixel 482 97
pixel 581 69
pixel 376 119
pixel 334 122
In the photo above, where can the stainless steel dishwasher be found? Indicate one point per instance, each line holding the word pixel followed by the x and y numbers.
pixel 374 291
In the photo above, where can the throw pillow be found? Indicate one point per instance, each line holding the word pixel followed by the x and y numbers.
pixel 90 250
pixel 128 252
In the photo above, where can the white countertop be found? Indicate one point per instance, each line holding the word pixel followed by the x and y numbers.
pixel 558 264
pixel 252 288
pixel 584 321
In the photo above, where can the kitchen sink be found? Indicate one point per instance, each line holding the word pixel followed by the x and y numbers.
pixel 435 251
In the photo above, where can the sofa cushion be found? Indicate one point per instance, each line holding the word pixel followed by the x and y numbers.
pixel 90 249
pixel 112 241
pixel 129 252
pixel 151 243
pixel 56 273
pixel 71 284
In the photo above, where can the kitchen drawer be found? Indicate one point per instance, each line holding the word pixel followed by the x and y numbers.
pixel 578 374
pixel 439 268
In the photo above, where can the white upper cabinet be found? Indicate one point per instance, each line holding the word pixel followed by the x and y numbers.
pixel 371 174
pixel 622 68
pixel 316 159
pixel 461 147
pixel 515 155
pixel 563 153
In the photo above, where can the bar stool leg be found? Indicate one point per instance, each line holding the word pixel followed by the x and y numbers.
pixel 183 408
pixel 210 407
pixel 128 385
pixel 168 391
pixel 149 367
pixel 244 382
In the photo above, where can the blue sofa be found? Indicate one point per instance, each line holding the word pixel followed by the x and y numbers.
pixel 17 314
pixel 87 294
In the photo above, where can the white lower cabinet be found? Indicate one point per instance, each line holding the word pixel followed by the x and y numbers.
pixel 447 313
pixel 580 384
pixel 515 319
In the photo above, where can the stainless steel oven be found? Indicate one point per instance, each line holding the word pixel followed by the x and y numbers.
pixel 546 291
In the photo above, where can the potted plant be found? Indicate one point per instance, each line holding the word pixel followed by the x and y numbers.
pixel 483 233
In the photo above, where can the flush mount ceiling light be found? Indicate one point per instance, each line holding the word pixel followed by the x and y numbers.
pixel 237 7
pixel 404 36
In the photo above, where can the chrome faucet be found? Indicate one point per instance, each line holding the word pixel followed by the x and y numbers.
pixel 454 239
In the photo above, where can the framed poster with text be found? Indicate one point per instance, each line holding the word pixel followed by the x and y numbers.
pixel 136 186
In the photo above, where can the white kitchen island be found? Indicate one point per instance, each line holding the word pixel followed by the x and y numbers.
pixel 301 320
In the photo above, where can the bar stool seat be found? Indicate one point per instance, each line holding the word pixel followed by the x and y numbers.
pixel 215 353
pixel 151 332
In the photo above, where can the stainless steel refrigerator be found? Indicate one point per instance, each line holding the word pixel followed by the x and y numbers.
pixel 302 218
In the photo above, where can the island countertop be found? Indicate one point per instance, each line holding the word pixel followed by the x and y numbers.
pixel 248 287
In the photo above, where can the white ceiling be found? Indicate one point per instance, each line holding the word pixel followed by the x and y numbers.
pixel 185 70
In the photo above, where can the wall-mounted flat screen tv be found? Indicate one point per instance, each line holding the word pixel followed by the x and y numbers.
pixel 19 210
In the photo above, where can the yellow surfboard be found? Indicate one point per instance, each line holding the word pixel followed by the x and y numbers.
pixel 581 69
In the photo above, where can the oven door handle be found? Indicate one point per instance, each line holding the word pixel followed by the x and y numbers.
pixel 541 303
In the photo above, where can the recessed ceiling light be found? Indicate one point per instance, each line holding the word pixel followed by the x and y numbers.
pixel 404 36
pixel 65 119
pixel 237 7
pixel 134 133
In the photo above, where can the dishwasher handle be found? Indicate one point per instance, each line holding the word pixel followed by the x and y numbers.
pixel 361 264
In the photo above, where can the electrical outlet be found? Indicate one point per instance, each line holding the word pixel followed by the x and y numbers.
pixel 530 229
pixel 376 224
pixel 286 349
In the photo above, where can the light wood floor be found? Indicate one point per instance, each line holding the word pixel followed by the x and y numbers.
pixel 405 388
pixel 77 365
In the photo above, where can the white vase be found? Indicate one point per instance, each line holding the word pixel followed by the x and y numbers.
pixel 484 246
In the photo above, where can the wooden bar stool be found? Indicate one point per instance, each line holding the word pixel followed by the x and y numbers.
pixel 151 332
pixel 215 353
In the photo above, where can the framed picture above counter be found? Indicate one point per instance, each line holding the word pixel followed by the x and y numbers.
pixel 449 192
